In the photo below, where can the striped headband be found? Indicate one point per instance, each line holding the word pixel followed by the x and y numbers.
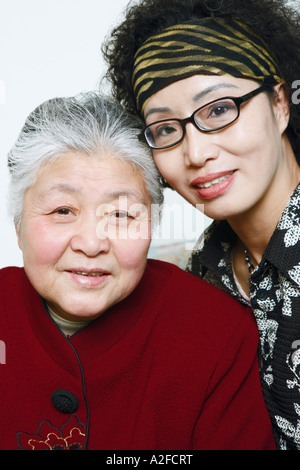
pixel 210 46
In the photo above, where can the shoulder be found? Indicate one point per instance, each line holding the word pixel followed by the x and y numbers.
pixel 11 294
pixel 200 318
pixel 187 284
pixel 183 290
pixel 11 274
pixel 12 282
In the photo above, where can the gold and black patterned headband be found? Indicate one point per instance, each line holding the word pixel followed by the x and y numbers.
pixel 211 46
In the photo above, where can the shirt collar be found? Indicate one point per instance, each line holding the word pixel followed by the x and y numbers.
pixel 283 250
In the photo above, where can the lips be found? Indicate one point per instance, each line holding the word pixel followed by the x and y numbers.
pixel 213 184
pixel 88 277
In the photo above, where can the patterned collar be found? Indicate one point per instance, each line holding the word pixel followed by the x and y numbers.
pixel 213 251
pixel 283 250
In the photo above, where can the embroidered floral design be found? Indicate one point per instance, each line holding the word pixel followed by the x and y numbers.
pixel 293 362
pixel 295 273
pixel 71 436
pixel 267 333
pixel 289 293
pixel 291 431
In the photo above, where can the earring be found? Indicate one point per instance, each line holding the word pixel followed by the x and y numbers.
pixel 213 5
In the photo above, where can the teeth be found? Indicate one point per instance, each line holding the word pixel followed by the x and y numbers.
pixel 81 273
pixel 215 181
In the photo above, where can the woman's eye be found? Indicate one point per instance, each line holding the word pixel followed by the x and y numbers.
pixel 63 211
pixel 118 218
pixel 220 109
pixel 165 130
pixel 120 215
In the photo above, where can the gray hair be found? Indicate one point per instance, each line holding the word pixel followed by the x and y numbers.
pixel 89 123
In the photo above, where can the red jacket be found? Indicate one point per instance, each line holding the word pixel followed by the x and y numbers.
pixel 173 366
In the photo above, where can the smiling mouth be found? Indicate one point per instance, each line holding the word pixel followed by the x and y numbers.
pixel 214 182
pixel 88 279
pixel 87 274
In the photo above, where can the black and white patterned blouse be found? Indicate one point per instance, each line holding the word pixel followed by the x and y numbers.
pixel 275 301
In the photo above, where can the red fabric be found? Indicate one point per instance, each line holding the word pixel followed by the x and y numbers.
pixel 174 366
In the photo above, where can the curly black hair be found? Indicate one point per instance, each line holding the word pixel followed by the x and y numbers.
pixel 276 21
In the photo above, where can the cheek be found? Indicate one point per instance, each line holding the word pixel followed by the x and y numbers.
pixel 257 130
pixel 131 257
pixel 261 149
pixel 41 244
pixel 163 161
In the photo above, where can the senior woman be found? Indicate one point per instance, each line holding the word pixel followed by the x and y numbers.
pixel 104 349
pixel 216 84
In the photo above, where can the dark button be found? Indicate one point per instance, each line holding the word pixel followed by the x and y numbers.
pixel 64 401
pixel 262 294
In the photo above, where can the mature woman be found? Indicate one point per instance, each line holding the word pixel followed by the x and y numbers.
pixel 105 350
pixel 216 84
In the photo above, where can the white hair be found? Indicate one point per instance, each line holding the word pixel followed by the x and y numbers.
pixel 89 123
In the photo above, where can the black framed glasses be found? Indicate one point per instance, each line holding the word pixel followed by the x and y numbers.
pixel 211 117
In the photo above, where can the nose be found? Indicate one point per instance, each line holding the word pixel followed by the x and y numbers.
pixel 198 147
pixel 87 239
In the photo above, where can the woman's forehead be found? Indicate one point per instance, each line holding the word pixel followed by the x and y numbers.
pixel 76 175
pixel 195 89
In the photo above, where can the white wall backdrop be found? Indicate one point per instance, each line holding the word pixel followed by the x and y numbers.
pixel 51 48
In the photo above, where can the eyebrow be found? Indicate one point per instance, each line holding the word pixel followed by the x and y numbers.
pixel 61 187
pixel 196 98
pixel 114 194
pixel 127 193
pixel 212 88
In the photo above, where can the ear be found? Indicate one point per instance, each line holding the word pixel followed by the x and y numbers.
pixel 18 232
pixel 281 106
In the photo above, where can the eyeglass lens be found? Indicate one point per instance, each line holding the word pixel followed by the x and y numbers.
pixel 211 117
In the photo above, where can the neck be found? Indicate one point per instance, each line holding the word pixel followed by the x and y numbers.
pixel 254 232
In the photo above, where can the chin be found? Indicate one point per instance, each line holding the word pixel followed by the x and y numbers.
pixel 224 209
pixel 79 313
pixel 217 215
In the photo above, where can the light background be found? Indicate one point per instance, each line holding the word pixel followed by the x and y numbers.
pixel 52 48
